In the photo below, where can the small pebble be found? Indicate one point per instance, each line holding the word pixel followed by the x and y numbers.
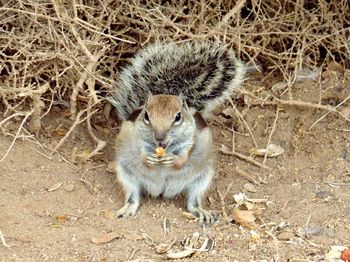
pixel 69 187
pixel 324 194
pixel 111 167
pixel 313 231
pixel 328 232
pixel 285 235
pixel 270 205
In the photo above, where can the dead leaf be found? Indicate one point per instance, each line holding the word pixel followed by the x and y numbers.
pixel 59 132
pixel 203 248
pixel 249 187
pixel 247 206
pixel 245 218
pixel 345 254
pixel 279 87
pixel 181 254
pixel 194 239
pixel 62 218
pixel 109 214
pixel 239 198
pixel 165 247
pixel 84 154
pixel 189 216
pixel 335 252
pixel 271 150
pixel 210 245
pixel 105 238
pixel 254 235
pixel 54 187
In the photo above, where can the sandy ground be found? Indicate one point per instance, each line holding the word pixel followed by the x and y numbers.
pixel 51 210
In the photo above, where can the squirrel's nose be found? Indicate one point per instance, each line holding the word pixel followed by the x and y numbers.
pixel 159 138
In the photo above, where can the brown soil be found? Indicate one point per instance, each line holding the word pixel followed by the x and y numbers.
pixel 308 186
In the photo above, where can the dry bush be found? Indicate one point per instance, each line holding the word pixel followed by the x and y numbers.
pixel 69 52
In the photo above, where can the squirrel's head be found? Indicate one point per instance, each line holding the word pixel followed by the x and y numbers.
pixel 165 119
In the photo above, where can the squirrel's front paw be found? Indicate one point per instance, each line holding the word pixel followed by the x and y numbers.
pixel 129 209
pixel 151 159
pixel 168 160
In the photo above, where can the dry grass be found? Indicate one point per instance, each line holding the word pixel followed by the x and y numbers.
pixel 69 52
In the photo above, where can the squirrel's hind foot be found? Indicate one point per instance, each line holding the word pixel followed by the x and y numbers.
pixel 129 209
pixel 204 217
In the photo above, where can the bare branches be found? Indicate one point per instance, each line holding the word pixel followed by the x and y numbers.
pixel 74 50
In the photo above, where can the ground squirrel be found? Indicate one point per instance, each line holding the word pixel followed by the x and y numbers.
pixel 163 98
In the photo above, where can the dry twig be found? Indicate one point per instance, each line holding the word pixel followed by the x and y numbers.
pixel 243 157
pixel 271 133
pixel 2 238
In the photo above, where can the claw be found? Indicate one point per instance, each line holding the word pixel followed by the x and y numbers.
pixel 204 216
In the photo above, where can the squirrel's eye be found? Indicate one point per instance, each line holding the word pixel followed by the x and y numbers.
pixel 177 118
pixel 146 118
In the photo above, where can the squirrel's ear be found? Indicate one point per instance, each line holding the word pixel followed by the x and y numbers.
pixel 134 115
pixel 200 121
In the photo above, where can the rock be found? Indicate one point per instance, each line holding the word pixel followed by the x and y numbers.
pixel 285 235
pixel 270 205
pixel 313 231
pixel 111 167
pixel 69 187
pixel 324 194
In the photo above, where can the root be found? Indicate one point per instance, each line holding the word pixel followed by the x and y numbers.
pixel 243 157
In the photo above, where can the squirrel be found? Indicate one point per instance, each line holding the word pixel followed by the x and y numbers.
pixel 164 97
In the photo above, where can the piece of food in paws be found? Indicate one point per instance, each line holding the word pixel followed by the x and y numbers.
pixel 160 152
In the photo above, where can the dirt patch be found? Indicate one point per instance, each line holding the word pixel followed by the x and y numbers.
pixel 52 209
